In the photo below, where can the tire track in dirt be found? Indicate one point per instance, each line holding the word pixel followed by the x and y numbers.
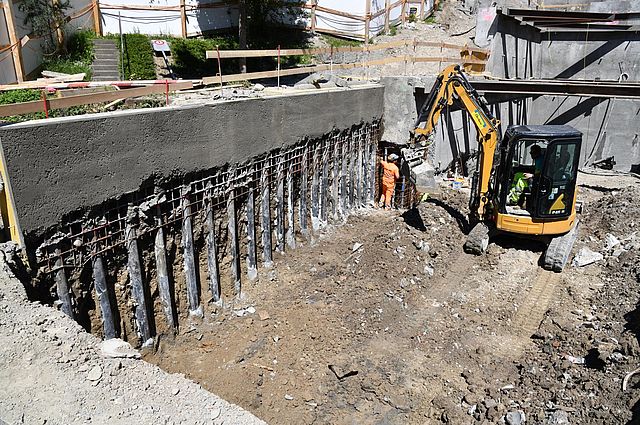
pixel 529 316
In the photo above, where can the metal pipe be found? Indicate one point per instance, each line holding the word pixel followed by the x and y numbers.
pixel 164 287
pixel 137 289
pixel 303 195
pixel 62 286
pixel 212 253
pixel 233 241
pixel 280 207
pixel 267 259
pixel 188 257
pixel 291 235
pixel 102 293
pixel 252 262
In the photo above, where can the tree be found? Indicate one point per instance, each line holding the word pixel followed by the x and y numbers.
pixel 47 20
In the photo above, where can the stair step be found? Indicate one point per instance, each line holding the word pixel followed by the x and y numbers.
pixel 106 61
pixel 104 42
pixel 100 50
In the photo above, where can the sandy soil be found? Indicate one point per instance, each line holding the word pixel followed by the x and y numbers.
pixel 406 328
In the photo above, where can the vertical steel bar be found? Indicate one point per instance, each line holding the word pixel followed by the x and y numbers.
pixel 352 173
pixel 188 257
pixel 291 234
pixel 267 258
pixel 62 286
pixel 164 287
pixel 280 206
pixel 335 181
pixel 324 187
pixel 303 195
pixel 137 289
pixel 373 162
pixel 212 251
pixel 252 262
pixel 344 179
pixel 102 293
pixel 365 171
pixel 233 240
pixel 358 171
pixel 315 208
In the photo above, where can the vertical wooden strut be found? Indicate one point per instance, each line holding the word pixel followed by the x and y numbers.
pixel 386 16
pixel 252 262
pixel 97 20
pixel 212 250
pixel 102 293
pixel 291 235
pixel 183 18
pixel 189 262
pixel 315 182
pixel 14 41
pixel 137 288
pixel 164 286
pixel 62 286
pixel 303 195
pixel 367 20
pixel 267 259
pixel 233 238
pixel 280 206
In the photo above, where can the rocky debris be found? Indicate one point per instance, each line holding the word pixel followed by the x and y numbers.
pixel 585 257
pixel 54 372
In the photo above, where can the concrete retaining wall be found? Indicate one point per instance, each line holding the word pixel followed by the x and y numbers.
pixel 61 165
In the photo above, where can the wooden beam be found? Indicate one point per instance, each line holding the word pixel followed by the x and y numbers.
pixel 183 18
pixel 87 99
pixel 421 9
pixel 367 20
pixel 16 50
pixel 97 19
pixel 314 5
pixel 404 11
pixel 387 10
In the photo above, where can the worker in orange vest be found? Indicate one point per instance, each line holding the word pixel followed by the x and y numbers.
pixel 391 174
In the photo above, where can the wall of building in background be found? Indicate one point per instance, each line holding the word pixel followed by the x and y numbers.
pixel 80 16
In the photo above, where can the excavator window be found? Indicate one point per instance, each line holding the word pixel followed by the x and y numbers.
pixel 557 183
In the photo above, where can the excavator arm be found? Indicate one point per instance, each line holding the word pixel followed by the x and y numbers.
pixel 452 86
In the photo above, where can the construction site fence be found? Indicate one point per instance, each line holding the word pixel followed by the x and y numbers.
pixel 470 57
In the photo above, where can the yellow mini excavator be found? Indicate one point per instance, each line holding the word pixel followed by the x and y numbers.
pixel 524 183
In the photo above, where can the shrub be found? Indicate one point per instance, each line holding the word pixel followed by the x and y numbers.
pixel 138 57
pixel 190 61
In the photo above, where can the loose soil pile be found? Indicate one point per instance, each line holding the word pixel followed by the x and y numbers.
pixel 386 320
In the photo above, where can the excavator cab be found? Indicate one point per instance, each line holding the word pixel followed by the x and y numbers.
pixel 536 174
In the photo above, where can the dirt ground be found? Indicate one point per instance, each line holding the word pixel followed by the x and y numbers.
pixel 386 320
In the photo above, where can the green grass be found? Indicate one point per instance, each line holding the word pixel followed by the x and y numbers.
pixel 340 42
pixel 137 57
pixel 189 56
pixel 430 19
pixel 78 58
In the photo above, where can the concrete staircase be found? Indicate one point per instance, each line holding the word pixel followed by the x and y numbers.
pixel 106 61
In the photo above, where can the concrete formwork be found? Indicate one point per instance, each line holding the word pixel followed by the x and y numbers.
pixel 61 165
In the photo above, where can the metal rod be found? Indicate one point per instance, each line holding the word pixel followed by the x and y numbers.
pixel 189 262
pixel 324 189
pixel 252 262
pixel 344 181
pixel 358 172
pixel 291 235
pixel 102 293
pixel 212 253
pixel 303 195
pixel 137 288
pixel 164 286
pixel 62 286
pixel 315 189
pixel 280 207
pixel 373 162
pixel 267 258
pixel 233 240
pixel 352 175
pixel 335 180
pixel 365 173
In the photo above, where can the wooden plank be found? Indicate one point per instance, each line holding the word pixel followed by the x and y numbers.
pixel 97 21
pixel 386 16
pixel 16 50
pixel 183 18
pixel 367 20
pixel 87 99
pixel 451 60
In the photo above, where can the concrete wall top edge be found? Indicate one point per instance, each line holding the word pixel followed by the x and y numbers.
pixel 99 115
pixel 63 165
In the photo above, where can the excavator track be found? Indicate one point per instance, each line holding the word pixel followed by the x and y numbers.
pixel 477 239
pixel 559 249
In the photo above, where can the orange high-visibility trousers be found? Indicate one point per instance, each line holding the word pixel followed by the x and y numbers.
pixel 387 193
